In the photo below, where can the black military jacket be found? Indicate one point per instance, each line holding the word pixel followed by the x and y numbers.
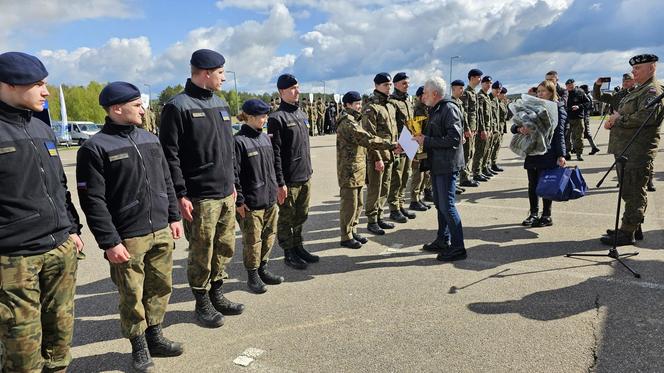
pixel 289 132
pixel 256 181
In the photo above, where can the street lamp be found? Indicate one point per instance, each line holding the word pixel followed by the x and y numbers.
pixel 450 78
pixel 237 96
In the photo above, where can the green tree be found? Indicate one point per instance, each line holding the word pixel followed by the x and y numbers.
pixel 168 93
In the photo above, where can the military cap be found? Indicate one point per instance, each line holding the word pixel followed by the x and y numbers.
pixel 628 76
pixel 420 91
pixel 351 97
pixel 569 81
pixel 458 83
pixel 207 59
pixel 19 68
pixel 381 78
pixel 486 78
pixel 255 106
pixel 118 93
pixel 503 90
pixel 286 81
pixel 497 85
pixel 643 58
pixel 475 72
pixel 399 77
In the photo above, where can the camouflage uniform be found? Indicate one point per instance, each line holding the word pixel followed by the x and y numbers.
pixel 259 230
pixel 320 116
pixel 497 135
pixel 312 113
pixel 421 179
pixel 401 170
pixel 502 129
pixel 379 120
pixel 484 124
pixel 469 100
pixel 352 141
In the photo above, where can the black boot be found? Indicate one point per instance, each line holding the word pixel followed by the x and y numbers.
pixel 375 229
pixel 638 234
pixel 428 206
pixel 221 303
pixel 417 206
pixel 140 355
pixel 267 276
pixel 496 168
pixel 254 282
pixel 351 244
pixel 293 260
pixel 160 346
pixel 408 214
pixel 305 255
pixel 385 225
pixel 624 238
pixel 205 312
pixel 398 217
pixel 360 238
pixel 579 156
pixel 651 186
pixel 428 195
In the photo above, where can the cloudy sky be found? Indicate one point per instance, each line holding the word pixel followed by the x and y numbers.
pixel 339 42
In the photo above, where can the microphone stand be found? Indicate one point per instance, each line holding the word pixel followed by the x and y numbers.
pixel 621 159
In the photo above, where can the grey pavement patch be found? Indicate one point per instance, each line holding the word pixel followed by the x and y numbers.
pixel 253 352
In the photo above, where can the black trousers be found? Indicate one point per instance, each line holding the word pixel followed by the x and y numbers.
pixel 533 177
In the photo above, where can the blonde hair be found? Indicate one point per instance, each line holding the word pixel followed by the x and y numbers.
pixel 551 87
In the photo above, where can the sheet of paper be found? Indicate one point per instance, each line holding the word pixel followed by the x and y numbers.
pixel 409 145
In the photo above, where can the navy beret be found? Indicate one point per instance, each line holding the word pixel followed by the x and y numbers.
pixel 458 83
pixel 381 78
pixel 286 81
pixel 207 59
pixel 255 107
pixel 399 77
pixel 475 72
pixel 486 78
pixel 118 93
pixel 569 81
pixel 351 97
pixel 497 85
pixel 503 90
pixel 643 58
pixel 420 91
pixel 19 68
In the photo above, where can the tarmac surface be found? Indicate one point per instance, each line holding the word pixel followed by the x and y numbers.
pixel 516 304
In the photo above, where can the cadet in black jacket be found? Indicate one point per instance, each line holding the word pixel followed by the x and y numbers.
pixel 127 196
pixel 38 227
pixel 288 128
pixel 197 139
pixel 256 186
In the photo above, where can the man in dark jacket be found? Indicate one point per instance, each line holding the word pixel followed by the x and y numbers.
pixel 576 103
pixel 197 140
pixel 442 143
pixel 39 227
pixel 587 110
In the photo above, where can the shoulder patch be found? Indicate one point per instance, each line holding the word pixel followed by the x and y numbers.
pixel 7 149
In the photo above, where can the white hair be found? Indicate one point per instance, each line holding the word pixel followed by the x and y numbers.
pixel 436 84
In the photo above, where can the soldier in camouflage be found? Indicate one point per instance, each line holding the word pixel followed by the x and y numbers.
pixel 455 95
pixel 421 179
pixel 500 126
pixel 485 129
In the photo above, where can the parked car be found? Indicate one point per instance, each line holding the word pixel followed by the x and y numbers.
pixel 78 131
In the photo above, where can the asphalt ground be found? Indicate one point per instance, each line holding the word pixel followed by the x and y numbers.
pixel 516 304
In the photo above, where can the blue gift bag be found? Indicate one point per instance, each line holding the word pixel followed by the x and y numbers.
pixel 561 184
pixel 579 186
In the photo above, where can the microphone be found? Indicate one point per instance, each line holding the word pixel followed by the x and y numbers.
pixel 655 101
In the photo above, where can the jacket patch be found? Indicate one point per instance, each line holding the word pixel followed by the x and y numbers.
pixel 199 114
pixel 291 124
pixel 82 185
pixel 50 147
pixel 7 149
pixel 118 157
pixel 252 154
pixel 224 115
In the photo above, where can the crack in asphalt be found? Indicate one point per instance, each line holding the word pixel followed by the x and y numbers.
pixel 595 324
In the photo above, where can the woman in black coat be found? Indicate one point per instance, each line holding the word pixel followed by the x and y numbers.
pixel 535 164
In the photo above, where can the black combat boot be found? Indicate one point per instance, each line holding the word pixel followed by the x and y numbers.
pixel 385 225
pixel 496 168
pixel 480 178
pixel 140 355
pixel 160 346
pixel 293 260
pixel 351 244
pixel 638 234
pixel 267 276
pixel 360 238
pixel 375 229
pixel 305 255
pixel 205 312
pixel 428 195
pixel 624 238
pixel 221 303
pixel 254 282
pixel 408 214
pixel 398 217
pixel 469 183
pixel 651 186
pixel 579 156
pixel 417 206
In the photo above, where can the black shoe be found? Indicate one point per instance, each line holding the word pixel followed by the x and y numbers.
pixel 458 191
pixel 462 189
pixel 529 220
pixel 255 282
pixel 351 244
pixel 452 254
pixel 375 229
pixel 267 276
pixel 428 206
pixel 469 183
pixel 205 312
pixel 579 157
pixel 221 303
pixel 623 239
pixel 543 221
pixel 428 195
pixel 436 246
pixel 305 255
pixel 408 214
pixel 638 234
pixel 360 238
pixel 488 173
pixel 398 217
pixel 140 355
pixel 651 187
pixel 480 178
pixel 293 260
pixel 386 225
pixel 496 168
pixel 417 206
pixel 160 346
pixel 568 157
pixel 594 151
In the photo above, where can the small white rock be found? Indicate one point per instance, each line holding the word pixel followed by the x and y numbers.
pixel 242 360
pixel 253 352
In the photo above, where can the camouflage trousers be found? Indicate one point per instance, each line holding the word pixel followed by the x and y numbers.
pixel 421 180
pixel 37 309
pixel 349 211
pixel 259 229
pixel 145 281
pixel 377 191
pixel 577 128
pixel 478 156
pixel 211 236
pixel 400 175
pixel 486 157
pixel 635 195
pixel 293 214
pixel 468 152
pixel 497 142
